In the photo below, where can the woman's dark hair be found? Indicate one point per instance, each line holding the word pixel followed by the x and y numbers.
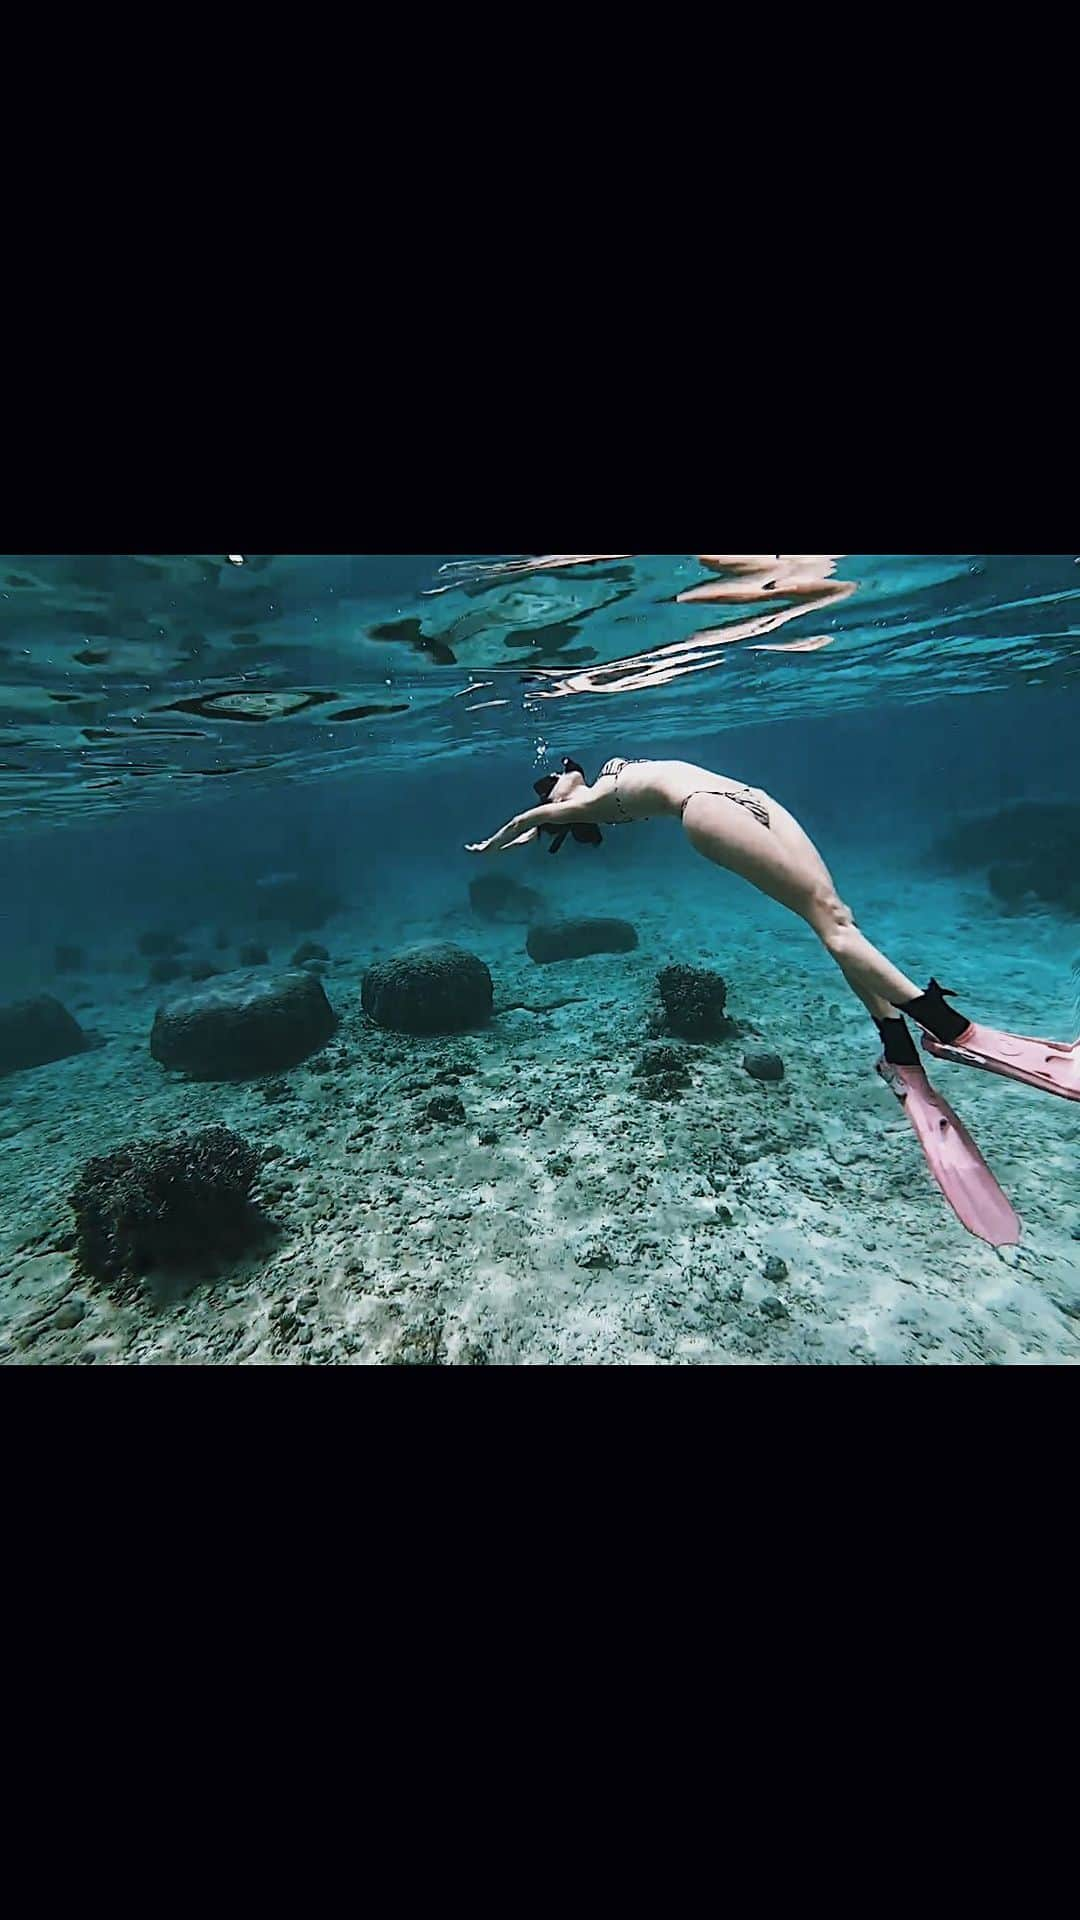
pixel 589 836
pixel 547 785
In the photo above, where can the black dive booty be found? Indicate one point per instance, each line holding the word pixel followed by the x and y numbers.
pixel 931 1011
pixel 899 1047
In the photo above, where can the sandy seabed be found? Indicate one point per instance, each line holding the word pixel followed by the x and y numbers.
pixel 570 1220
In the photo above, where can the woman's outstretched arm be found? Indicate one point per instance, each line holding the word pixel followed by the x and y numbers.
pixel 525 827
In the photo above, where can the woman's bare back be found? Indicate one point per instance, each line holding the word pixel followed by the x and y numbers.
pixel 651 789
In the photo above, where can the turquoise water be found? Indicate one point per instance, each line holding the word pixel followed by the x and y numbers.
pixel 177 730
pixel 128 678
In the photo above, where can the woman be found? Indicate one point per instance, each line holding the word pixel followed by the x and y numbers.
pixel 745 830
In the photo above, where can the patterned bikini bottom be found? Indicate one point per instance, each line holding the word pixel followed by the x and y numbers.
pixel 743 799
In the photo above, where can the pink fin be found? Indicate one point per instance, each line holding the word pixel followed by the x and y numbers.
pixel 953 1158
pixel 1045 1064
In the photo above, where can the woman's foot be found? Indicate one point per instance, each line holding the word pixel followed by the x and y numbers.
pixel 1049 1065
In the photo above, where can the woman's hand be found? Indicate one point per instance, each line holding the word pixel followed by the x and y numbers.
pixel 527 827
pixel 512 835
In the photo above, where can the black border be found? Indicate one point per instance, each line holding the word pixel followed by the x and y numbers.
pixel 443 425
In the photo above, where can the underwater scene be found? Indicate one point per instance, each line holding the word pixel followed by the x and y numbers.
pixel 539 959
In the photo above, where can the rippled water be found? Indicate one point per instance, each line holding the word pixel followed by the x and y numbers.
pixel 130 678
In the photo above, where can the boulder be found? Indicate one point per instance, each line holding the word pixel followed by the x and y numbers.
pixel 159 1203
pixel 1019 833
pixel 499 897
pixel 160 941
pixel 1010 881
pixel 164 969
pixel 243 1025
pixel 763 1066
pixel 1031 853
pixel 432 989
pixel 295 901
pixel 693 1000
pixel 575 939
pixel 35 1032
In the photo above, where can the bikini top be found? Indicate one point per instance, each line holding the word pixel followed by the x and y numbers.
pixel 614 768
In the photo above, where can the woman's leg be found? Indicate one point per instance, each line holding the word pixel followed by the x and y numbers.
pixel 782 862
